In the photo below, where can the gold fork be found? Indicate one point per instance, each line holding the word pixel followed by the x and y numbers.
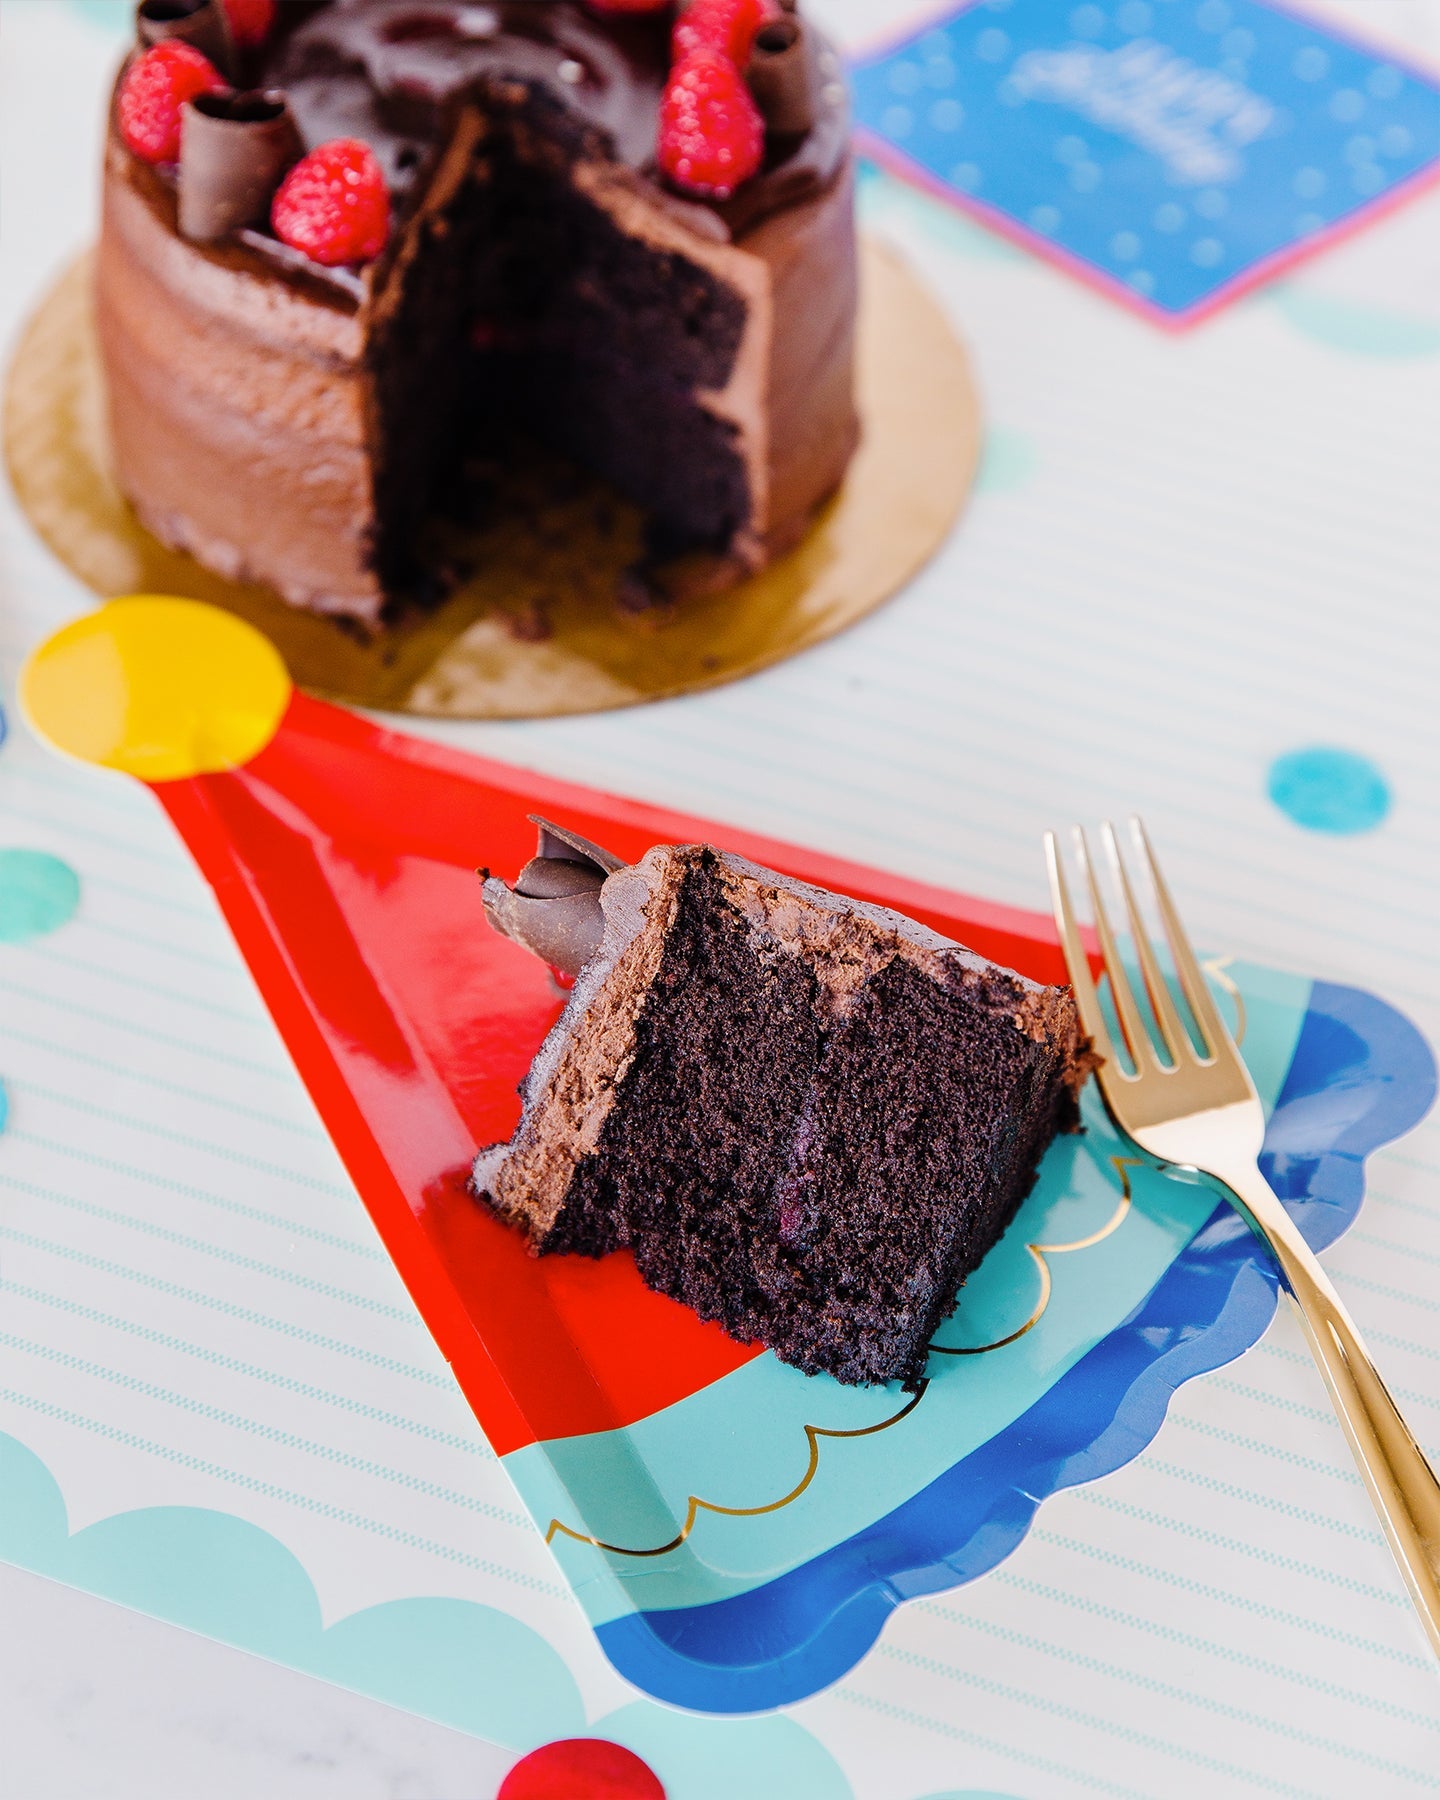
pixel 1199 1111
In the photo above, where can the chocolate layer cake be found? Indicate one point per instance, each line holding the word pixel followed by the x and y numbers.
pixel 544 280
pixel 808 1117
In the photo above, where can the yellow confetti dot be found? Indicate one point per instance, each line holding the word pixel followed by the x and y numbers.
pixel 157 687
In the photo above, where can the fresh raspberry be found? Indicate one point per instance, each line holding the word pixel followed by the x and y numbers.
pixel 711 134
pixel 334 204
pixel 627 6
pixel 251 21
pixel 155 87
pixel 728 26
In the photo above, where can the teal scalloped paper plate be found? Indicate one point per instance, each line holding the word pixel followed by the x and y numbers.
pixel 736 1532
pixel 1148 1282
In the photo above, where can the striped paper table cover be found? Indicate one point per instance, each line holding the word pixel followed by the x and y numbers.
pixel 1189 559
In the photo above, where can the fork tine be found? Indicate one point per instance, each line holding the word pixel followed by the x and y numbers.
pixel 1213 1028
pixel 1087 1000
pixel 1172 1029
pixel 1142 1051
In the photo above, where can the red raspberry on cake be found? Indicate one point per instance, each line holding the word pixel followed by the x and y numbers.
pixel 251 21
pixel 627 6
pixel 334 205
pixel 728 26
pixel 154 88
pixel 711 134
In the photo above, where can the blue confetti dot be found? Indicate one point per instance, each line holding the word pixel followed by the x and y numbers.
pixel 1207 253
pixel 1384 83
pixel 1238 43
pixel 1311 64
pixel 947 115
pixel 1347 105
pixel 1308 223
pixel 1212 15
pixel 966 177
pixel 1087 21
pixel 1135 17
pixel 38 894
pixel 1142 281
pixel 1212 203
pixel 1309 183
pixel 1169 217
pixel 992 45
pixel 904 78
pixel 4 1107
pixel 1395 140
pixel 1071 149
pixel 1323 788
pixel 1125 246
pixel 1085 177
pixel 1045 218
pixel 898 121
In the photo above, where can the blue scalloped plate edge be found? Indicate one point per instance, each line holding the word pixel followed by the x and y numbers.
pixel 1361 1076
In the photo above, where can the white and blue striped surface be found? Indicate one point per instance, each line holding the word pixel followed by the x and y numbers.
pixel 1188 557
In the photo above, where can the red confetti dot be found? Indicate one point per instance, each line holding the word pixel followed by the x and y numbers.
pixel 581 1769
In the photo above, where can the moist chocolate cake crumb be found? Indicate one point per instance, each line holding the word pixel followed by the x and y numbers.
pixel 808 1118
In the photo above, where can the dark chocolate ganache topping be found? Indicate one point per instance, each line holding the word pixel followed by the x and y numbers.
pixel 392 71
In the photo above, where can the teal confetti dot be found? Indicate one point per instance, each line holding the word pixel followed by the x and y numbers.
pixel 970 1794
pixel 110 15
pixel 1008 463
pixel 38 894
pixel 1326 789
pixel 1357 330
pixel 4 1107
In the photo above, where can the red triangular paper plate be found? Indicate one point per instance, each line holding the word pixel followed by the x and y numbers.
pixel 344 858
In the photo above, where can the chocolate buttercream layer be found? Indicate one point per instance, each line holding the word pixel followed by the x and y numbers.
pixel 237 406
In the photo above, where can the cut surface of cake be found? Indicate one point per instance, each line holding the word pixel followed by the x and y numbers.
pixel 544 283
pixel 809 1118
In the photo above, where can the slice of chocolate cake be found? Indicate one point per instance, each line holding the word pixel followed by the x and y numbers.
pixel 808 1117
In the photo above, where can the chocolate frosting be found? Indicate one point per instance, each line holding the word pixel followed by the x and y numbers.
pixel 393 71
pixel 234 149
pixel 203 24
pixel 554 907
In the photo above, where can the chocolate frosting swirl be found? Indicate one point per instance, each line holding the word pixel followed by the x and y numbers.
pixel 554 907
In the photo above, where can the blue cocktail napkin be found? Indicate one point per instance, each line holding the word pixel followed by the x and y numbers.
pixel 1175 151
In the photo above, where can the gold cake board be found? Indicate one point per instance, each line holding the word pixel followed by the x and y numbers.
pixel 539 629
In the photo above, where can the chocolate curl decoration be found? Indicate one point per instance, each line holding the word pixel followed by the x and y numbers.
pixel 203 24
pixel 783 75
pixel 554 907
pixel 234 149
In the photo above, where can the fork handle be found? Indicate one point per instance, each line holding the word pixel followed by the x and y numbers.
pixel 1402 1484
